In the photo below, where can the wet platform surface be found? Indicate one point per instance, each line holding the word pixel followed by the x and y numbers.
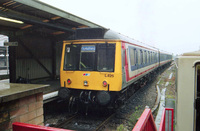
pixel 11 91
pixel 54 85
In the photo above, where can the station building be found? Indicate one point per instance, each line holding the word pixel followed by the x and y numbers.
pixel 35 31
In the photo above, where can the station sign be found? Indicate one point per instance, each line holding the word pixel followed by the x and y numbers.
pixel 10 43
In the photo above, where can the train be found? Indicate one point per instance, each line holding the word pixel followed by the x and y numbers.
pixel 187 105
pixel 100 66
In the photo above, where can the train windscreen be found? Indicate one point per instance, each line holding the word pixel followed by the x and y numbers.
pixel 90 57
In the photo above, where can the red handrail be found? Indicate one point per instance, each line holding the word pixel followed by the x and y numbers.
pixel 162 122
pixel 146 122
pixel 17 126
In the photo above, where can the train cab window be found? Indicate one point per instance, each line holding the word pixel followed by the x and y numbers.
pixel 71 60
pixel 87 57
pixel 106 57
pixel 90 57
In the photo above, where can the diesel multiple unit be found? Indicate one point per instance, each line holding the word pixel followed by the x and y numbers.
pixel 99 66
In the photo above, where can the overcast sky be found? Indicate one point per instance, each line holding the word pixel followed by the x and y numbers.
pixel 170 25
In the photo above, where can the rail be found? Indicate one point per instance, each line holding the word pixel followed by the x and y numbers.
pixel 104 122
pixel 146 122
pixel 17 126
pixel 167 122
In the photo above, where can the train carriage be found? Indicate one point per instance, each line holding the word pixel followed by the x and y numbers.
pixel 187 109
pixel 100 65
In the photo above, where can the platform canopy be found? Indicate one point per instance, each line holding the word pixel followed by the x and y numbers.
pixel 23 16
pixel 39 30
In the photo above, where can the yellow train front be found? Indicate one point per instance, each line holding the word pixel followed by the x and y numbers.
pixel 91 70
pixel 99 66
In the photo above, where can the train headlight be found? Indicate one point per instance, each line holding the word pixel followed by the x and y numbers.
pixel 69 81
pixel 105 83
pixel 85 83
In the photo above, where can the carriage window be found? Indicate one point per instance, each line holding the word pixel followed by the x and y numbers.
pixel 133 58
pixel 149 57
pixel 153 60
pixel 155 57
pixel 139 57
pixel 144 59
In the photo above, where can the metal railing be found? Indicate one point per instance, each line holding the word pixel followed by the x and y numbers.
pixel 146 122
pixel 167 120
pixel 17 126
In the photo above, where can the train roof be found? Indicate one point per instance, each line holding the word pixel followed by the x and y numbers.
pixel 100 33
pixel 194 53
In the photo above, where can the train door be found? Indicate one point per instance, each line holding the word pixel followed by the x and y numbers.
pixel 197 98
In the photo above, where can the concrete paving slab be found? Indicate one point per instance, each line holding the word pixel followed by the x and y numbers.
pixel 161 108
pixel 170 76
pixel 166 84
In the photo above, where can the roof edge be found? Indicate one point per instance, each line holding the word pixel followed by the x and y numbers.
pixel 53 10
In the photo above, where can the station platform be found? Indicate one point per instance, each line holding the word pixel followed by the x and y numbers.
pixel 54 85
pixel 21 103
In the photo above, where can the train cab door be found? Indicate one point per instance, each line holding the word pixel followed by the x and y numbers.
pixel 197 98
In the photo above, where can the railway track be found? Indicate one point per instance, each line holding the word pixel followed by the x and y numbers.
pixel 77 122
pixel 89 123
pixel 104 122
pixel 98 121
pixel 67 121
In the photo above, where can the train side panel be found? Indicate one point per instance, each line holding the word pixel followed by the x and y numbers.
pixel 185 93
pixel 139 61
pixel 164 58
